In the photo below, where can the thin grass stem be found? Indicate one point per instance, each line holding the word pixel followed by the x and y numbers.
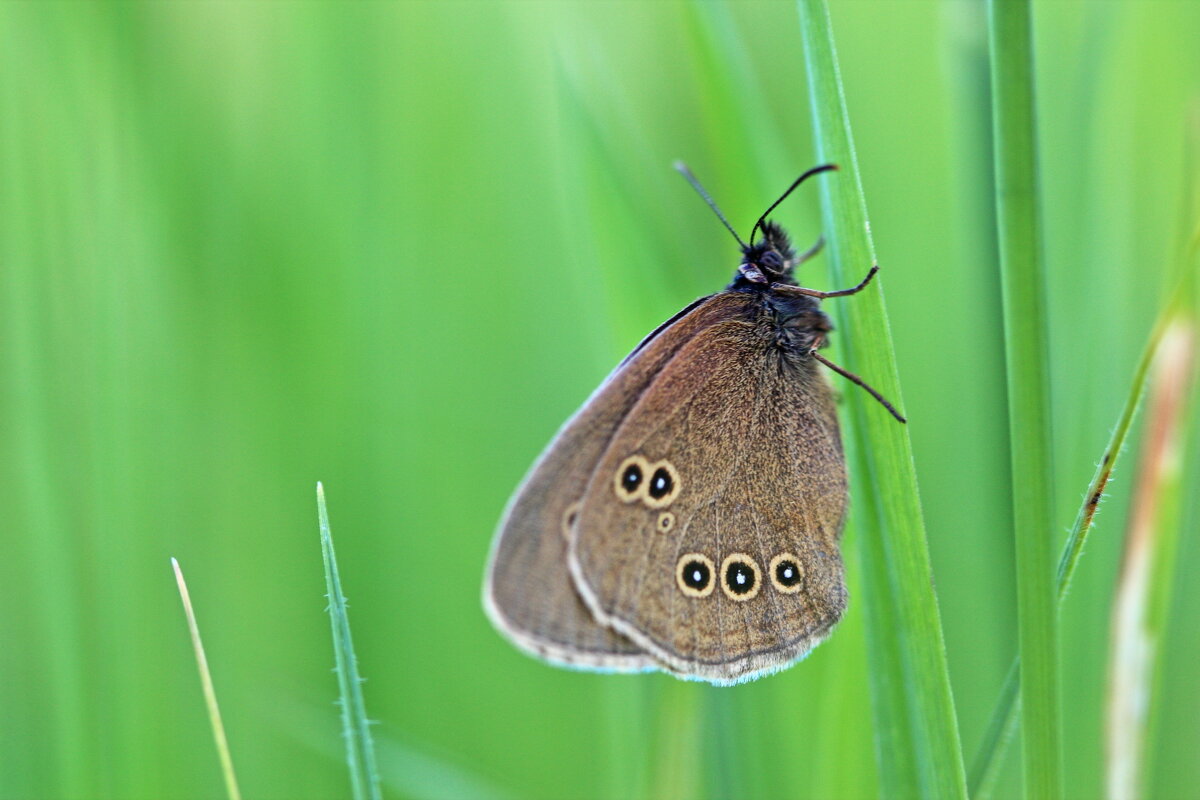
pixel 206 683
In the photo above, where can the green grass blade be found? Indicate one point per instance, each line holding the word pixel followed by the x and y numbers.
pixel 1178 310
pixel 919 748
pixel 1179 305
pixel 360 751
pixel 210 694
pixel 981 779
pixel 1001 725
pixel 1023 290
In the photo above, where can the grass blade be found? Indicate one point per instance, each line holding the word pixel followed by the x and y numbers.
pixel 206 683
pixel 917 733
pixel 981 779
pixel 1022 283
pixel 360 751
pixel 1148 565
pixel 1179 306
pixel 1003 719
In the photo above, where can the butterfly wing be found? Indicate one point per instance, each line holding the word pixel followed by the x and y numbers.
pixel 528 593
pixel 722 561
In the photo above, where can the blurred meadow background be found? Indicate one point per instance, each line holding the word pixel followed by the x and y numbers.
pixel 247 246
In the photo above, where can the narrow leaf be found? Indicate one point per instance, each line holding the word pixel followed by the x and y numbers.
pixel 206 683
pixel 917 733
pixel 1002 724
pixel 1022 283
pixel 360 751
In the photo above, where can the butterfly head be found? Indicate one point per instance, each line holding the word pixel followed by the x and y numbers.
pixel 768 260
pixel 765 260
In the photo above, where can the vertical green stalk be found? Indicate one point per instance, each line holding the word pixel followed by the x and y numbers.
pixel 360 750
pixel 981 778
pixel 916 731
pixel 1022 282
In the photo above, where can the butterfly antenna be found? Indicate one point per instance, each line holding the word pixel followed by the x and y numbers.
pixel 845 373
pixel 687 173
pixel 815 170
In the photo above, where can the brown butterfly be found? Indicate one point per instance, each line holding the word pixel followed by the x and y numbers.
pixel 687 517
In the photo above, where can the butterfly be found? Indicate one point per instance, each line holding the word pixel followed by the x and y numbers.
pixel 687 517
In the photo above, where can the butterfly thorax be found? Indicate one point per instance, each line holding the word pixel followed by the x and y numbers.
pixel 794 323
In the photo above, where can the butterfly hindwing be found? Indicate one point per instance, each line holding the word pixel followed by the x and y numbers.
pixel 721 559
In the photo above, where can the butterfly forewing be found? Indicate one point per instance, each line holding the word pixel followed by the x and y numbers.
pixel 722 559
pixel 528 592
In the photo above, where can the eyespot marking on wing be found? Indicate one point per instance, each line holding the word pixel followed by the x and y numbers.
pixel 740 577
pixel 629 482
pixel 663 486
pixel 666 521
pixel 786 573
pixel 695 575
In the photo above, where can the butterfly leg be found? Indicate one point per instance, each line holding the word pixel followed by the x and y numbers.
pixel 847 374
pixel 784 289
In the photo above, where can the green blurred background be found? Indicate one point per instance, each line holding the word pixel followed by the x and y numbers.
pixel 246 246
